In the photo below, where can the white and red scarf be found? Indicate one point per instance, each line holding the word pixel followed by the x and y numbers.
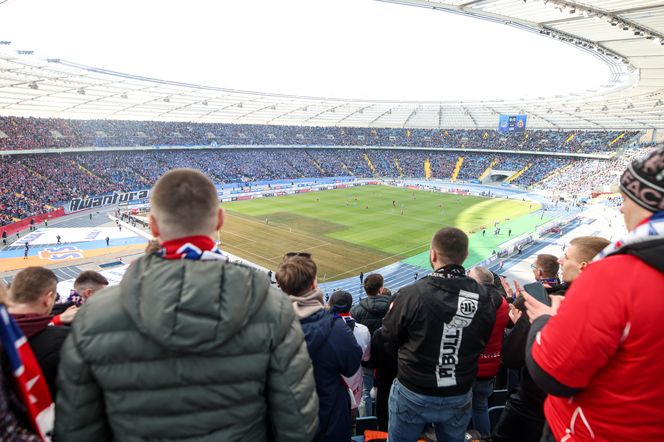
pixel 28 376
pixel 648 230
pixel 191 247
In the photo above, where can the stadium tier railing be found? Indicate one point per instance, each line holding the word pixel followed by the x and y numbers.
pixel 600 156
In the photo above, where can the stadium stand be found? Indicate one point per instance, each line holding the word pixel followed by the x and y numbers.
pixel 36 183
pixel 41 133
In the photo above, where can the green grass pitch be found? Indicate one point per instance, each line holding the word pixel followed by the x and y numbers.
pixel 360 228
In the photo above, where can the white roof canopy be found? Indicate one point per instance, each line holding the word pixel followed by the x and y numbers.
pixel 628 35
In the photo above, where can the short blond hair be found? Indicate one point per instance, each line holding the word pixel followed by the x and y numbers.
pixel 589 246
pixel 185 202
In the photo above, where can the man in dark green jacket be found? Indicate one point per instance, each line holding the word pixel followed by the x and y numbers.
pixel 187 347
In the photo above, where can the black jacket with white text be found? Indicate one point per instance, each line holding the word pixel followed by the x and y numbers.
pixel 440 324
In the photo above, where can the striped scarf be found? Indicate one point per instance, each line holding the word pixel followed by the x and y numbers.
pixel 649 230
pixel 28 376
pixel 191 247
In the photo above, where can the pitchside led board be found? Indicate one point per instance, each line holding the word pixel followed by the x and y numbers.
pixel 512 123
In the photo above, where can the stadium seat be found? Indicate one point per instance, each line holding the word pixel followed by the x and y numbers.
pixel 494 415
pixel 498 398
pixel 365 423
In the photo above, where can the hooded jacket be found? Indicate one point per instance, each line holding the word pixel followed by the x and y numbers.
pixel 371 310
pixel 186 350
pixel 45 342
pixel 440 324
pixel 601 356
pixel 334 353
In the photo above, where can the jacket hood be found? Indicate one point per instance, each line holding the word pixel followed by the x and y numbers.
pixel 32 323
pixel 377 304
pixel 317 329
pixel 650 252
pixel 184 304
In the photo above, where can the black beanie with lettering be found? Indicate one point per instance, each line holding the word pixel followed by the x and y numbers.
pixel 643 181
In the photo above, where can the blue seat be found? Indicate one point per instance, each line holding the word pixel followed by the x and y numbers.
pixel 498 398
pixel 365 423
pixel 494 415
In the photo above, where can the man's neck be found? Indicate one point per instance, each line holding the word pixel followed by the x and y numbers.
pixel 24 309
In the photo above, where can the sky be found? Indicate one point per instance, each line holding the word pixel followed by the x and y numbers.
pixel 360 49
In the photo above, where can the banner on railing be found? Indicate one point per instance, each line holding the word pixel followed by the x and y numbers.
pixel 107 200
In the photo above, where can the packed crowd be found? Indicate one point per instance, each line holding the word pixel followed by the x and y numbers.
pixel 192 347
pixel 39 133
pixel 35 182
pixel 594 174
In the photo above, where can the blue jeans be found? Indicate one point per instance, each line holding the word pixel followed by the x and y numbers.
pixel 410 412
pixel 482 389
pixel 366 405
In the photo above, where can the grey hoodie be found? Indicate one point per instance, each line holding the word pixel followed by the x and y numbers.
pixel 186 350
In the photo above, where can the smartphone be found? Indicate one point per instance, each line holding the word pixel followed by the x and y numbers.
pixel 537 291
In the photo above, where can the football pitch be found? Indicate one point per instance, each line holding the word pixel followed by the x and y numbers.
pixel 364 228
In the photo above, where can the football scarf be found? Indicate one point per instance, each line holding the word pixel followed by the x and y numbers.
pixel 191 247
pixel 450 271
pixel 30 381
pixel 649 230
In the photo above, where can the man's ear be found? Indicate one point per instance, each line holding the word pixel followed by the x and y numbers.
pixel 220 219
pixel 583 266
pixel 48 300
pixel 154 226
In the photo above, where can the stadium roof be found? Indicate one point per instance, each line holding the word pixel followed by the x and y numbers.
pixel 627 35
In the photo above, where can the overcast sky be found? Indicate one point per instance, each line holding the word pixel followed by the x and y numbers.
pixel 327 48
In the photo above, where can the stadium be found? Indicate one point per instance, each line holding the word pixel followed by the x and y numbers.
pixel 358 184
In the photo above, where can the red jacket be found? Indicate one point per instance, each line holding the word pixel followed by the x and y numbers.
pixel 489 362
pixel 607 342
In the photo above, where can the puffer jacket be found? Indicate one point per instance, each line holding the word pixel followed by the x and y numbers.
pixel 334 352
pixel 371 310
pixel 186 350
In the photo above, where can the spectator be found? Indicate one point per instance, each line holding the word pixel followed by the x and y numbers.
pixel 237 346
pixel 580 253
pixel 523 416
pixel 489 362
pixel 384 362
pixel 545 269
pixel 86 284
pixel 603 344
pixel 13 422
pixel 332 347
pixel 340 303
pixel 31 298
pixel 370 312
pixel 440 324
